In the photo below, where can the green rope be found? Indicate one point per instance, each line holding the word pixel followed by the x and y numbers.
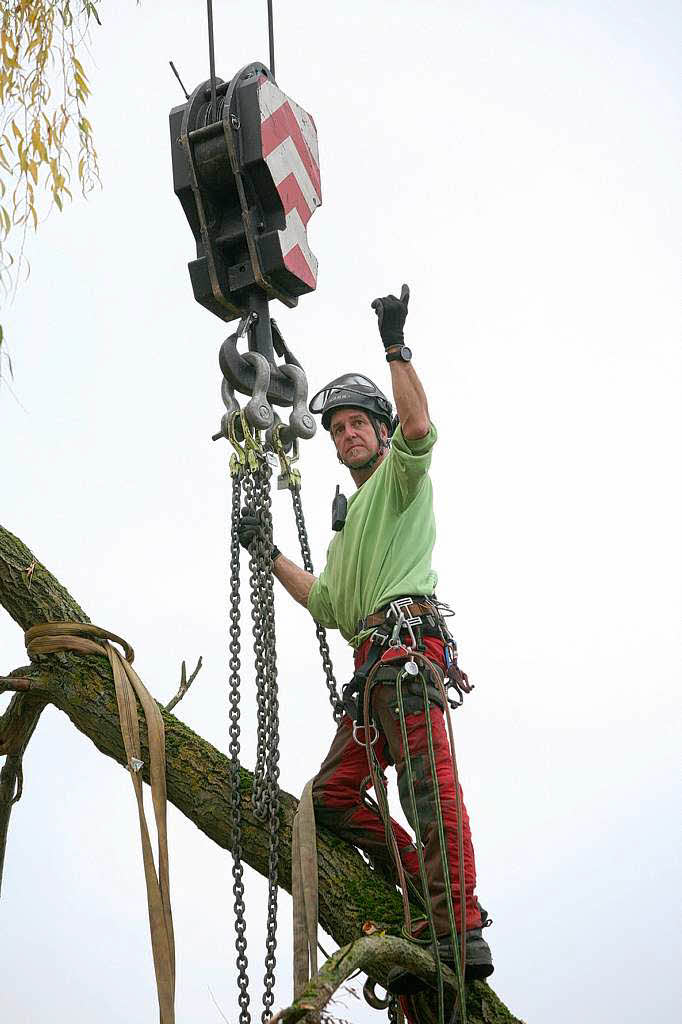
pixel 419 845
pixel 384 811
pixel 445 860
pixel 383 807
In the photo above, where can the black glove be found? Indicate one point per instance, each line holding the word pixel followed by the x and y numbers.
pixel 247 532
pixel 392 313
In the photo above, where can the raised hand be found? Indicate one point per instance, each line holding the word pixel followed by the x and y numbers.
pixel 391 313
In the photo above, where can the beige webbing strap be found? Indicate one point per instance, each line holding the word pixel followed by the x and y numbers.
pixel 75 636
pixel 304 891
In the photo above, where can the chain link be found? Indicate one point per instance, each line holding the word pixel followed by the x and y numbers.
pixel 235 768
pixel 266 785
pixel 253 476
pixel 320 631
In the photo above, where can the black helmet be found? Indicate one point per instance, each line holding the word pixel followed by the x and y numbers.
pixel 352 391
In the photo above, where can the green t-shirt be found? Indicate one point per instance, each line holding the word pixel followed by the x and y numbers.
pixel 384 550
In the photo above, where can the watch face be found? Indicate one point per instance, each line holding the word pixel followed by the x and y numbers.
pixel 406 353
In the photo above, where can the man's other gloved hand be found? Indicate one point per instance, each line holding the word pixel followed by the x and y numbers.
pixel 247 531
pixel 392 313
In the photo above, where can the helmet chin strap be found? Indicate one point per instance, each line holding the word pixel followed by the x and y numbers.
pixel 374 458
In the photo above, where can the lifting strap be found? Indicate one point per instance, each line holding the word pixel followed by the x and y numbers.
pixel 50 637
pixel 304 891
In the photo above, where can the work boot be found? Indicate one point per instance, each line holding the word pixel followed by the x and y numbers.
pixel 479 961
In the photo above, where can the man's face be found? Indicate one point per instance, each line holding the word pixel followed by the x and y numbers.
pixel 354 436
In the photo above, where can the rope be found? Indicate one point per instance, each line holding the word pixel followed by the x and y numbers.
pixel 459 954
pixel 50 637
pixel 382 799
pixel 458 946
pixel 418 842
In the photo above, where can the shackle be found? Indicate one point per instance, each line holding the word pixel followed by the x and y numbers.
pixel 258 410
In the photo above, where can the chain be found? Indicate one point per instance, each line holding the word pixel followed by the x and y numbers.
pixel 395 1015
pixel 253 475
pixel 235 768
pixel 265 786
pixel 320 631
pixel 259 797
pixel 270 789
pixel 252 472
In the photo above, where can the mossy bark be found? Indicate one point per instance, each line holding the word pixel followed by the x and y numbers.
pixel 374 955
pixel 198 780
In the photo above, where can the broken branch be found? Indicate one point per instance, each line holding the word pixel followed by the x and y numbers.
pixel 185 684
pixel 17 684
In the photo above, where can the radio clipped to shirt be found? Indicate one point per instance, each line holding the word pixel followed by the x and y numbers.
pixel 339 510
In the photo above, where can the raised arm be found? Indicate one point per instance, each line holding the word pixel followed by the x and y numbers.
pixel 408 393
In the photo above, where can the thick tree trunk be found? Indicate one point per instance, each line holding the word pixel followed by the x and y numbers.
pixel 350 893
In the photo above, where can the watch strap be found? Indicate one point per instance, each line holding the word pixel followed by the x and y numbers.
pixel 395 354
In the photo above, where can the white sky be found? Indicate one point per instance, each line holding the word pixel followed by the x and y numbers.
pixel 517 164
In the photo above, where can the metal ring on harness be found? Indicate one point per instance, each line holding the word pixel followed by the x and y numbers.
pixel 371 740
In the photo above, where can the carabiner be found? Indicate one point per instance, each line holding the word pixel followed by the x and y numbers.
pixel 238 459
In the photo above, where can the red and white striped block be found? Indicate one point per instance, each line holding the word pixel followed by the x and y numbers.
pixel 289 140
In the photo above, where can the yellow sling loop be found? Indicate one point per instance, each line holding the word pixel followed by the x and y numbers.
pixel 304 890
pixel 75 636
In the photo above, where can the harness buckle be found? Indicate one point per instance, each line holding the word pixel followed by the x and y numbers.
pixel 373 738
pixel 396 607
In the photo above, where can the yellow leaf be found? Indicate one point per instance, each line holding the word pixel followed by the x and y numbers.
pixel 36 41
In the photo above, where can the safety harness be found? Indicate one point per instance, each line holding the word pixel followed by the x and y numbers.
pixel 404 620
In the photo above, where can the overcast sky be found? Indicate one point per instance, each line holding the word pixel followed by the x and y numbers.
pixel 517 163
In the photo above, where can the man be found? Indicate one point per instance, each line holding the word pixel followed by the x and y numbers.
pixel 383 554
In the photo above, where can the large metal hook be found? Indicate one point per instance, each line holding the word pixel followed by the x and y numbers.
pixel 258 410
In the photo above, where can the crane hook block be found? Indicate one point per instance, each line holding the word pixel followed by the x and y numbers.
pixel 247 174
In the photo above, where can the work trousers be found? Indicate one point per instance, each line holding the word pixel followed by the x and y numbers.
pixel 339 805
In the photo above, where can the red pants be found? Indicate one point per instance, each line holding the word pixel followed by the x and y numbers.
pixel 339 805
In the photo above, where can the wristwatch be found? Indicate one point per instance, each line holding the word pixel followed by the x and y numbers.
pixel 398 352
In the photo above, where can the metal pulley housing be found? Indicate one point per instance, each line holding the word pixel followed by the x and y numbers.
pixel 248 178
pixel 246 172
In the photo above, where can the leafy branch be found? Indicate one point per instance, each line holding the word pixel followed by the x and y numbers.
pixel 46 140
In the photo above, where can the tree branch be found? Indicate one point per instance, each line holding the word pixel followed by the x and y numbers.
pixel 185 684
pixel 375 955
pixel 198 775
pixel 16 728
